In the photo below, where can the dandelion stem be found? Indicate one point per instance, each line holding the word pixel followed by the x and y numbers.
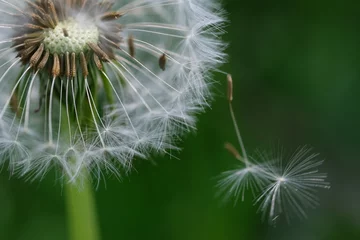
pixel 81 212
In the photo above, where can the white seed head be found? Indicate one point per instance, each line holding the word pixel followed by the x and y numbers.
pixel 102 82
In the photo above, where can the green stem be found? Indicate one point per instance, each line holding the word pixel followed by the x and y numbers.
pixel 81 212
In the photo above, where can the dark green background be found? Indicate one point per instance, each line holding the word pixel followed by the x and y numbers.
pixel 295 66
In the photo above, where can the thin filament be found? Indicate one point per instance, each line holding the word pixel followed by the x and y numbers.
pixel 241 143
pixel 50 111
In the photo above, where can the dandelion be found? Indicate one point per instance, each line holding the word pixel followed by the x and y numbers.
pixel 281 185
pixel 91 84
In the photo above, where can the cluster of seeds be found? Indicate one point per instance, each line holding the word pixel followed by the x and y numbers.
pixel 54 38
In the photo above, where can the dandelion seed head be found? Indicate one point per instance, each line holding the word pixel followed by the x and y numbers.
pixel 92 84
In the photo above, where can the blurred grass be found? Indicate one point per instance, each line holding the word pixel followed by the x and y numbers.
pixel 296 71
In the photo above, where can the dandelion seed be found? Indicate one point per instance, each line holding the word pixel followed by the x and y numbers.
pixel 250 176
pixel 93 84
pixel 280 186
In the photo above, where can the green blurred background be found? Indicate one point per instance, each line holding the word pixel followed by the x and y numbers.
pixel 295 66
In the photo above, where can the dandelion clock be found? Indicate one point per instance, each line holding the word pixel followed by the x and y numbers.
pixel 87 85
pixel 91 84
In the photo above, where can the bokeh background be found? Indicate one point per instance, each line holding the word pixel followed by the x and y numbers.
pixel 295 66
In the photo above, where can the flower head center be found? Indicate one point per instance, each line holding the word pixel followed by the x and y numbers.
pixel 70 36
pixel 64 36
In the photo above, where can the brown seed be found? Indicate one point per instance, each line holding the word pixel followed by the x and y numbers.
pixel 33 35
pixel 51 6
pixel 33 26
pixel 162 62
pixel 49 20
pixel 44 60
pixel 97 62
pixel 33 41
pixel 73 65
pixel 232 150
pixel 83 63
pixel 110 16
pixel 56 66
pixel 14 104
pixel 43 4
pixel 35 6
pixel 229 88
pixel 131 46
pixel 27 51
pixel 37 55
pixel 62 64
pixel 67 64
pixel 98 51
pixel 39 20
